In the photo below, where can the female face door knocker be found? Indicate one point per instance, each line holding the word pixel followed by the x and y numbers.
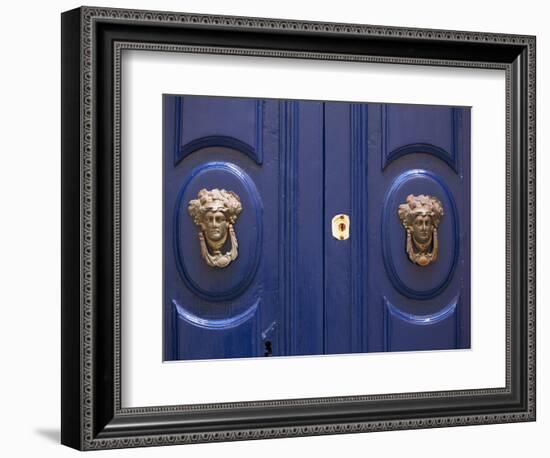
pixel 215 213
pixel 420 217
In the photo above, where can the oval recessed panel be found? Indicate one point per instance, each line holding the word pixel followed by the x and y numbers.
pixel 214 283
pixel 412 280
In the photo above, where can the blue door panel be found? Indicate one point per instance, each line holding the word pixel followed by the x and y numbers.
pixel 301 226
pixel 270 283
pixel 223 337
pixel 436 331
pixel 217 121
pixel 294 289
pixel 409 128
pixel 400 291
pixel 346 146
pixel 230 312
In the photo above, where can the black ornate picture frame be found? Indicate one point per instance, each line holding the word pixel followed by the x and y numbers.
pixel 92 413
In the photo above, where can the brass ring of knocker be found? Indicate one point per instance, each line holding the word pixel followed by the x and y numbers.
pixel 215 212
pixel 420 217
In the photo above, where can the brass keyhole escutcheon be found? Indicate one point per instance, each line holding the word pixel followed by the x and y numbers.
pixel 340 227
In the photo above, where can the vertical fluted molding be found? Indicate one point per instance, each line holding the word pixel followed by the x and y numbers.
pixel 288 184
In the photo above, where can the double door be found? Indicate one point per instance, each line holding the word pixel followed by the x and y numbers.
pixel 306 227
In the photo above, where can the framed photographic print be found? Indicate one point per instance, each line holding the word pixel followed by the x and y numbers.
pixel 352 227
pixel 279 228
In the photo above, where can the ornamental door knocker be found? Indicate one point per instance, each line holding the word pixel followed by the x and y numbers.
pixel 420 217
pixel 215 213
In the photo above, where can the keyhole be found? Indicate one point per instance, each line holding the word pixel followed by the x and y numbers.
pixel 268 348
pixel 340 227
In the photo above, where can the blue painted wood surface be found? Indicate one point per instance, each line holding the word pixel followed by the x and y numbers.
pixel 294 289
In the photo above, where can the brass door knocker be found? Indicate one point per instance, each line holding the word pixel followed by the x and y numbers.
pixel 420 217
pixel 215 213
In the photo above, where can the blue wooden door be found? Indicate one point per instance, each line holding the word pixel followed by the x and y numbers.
pixel 267 301
pixel 265 178
pixel 380 158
